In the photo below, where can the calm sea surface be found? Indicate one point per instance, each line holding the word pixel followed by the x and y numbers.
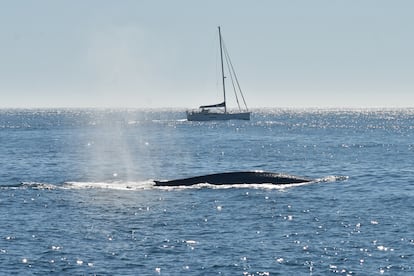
pixel 77 197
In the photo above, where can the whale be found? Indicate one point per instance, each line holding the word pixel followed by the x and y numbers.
pixel 231 178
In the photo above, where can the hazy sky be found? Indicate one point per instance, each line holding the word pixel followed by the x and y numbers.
pixel 290 53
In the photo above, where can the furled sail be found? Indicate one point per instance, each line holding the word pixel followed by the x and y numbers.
pixel 223 104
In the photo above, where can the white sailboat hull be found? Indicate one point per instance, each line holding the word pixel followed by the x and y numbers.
pixel 216 116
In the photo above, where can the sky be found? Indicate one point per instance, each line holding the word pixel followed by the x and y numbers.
pixel 161 54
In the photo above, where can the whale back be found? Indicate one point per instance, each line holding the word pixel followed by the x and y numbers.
pixel 230 178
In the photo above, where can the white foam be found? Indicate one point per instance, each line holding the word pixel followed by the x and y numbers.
pixel 267 186
pixel 33 185
pixel 331 178
pixel 124 185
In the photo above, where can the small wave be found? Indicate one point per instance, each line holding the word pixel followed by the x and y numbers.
pixel 331 178
pixel 264 186
pixel 130 185
pixel 29 185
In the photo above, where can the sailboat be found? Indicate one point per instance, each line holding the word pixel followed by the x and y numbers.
pixel 219 111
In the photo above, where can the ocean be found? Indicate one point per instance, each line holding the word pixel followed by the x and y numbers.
pixel 77 195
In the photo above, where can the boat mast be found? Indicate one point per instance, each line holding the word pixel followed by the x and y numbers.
pixel 222 71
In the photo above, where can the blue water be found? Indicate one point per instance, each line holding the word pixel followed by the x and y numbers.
pixel 77 197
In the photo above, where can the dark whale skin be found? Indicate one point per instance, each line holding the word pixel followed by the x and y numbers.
pixel 230 178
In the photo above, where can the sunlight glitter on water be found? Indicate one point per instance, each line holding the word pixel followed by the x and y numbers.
pixel 89 197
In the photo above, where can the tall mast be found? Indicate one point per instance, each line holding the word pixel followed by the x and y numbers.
pixel 222 70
